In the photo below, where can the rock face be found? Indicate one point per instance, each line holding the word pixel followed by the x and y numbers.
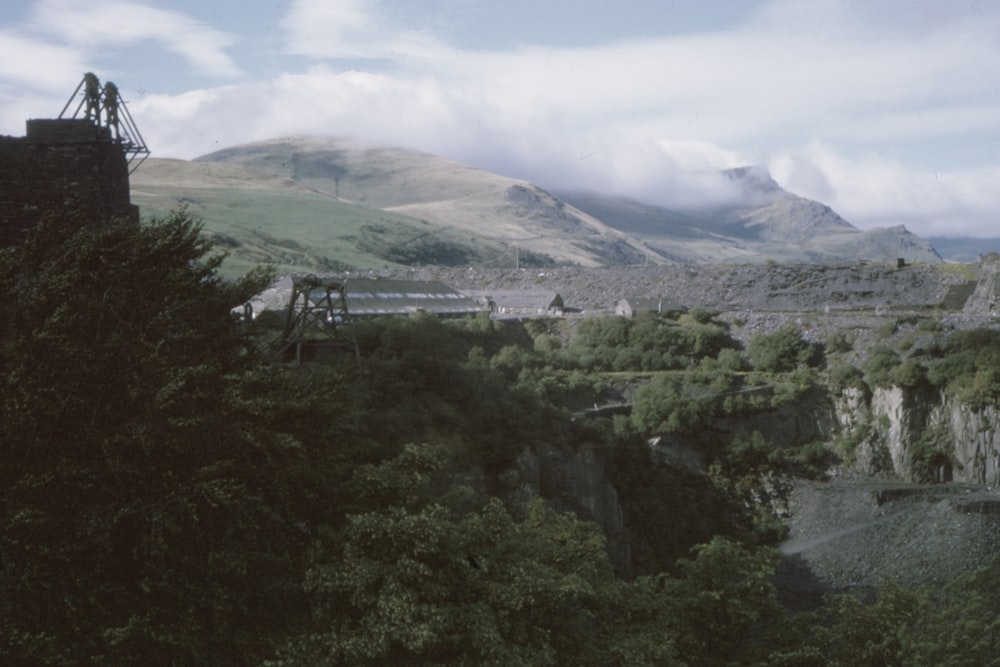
pixel 576 482
pixel 921 436
pixel 876 522
pixel 985 299
pixel 976 442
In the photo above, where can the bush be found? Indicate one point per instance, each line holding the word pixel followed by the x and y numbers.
pixel 879 367
pixel 781 351
pixel 839 342
pixel 911 373
pixel 970 367
pixel 846 376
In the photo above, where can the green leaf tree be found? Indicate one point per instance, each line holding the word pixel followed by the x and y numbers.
pixel 433 581
pixel 781 351
pixel 142 514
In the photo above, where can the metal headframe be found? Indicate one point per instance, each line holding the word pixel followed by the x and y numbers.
pixel 317 311
pixel 104 106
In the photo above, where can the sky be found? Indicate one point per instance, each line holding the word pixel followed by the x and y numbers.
pixel 886 110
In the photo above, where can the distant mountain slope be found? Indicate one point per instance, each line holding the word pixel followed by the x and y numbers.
pixel 441 192
pixel 769 224
pixel 329 205
pixel 964 249
pixel 259 217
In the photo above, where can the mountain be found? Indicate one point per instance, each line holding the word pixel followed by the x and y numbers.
pixel 306 204
pixel 765 224
pixel 442 194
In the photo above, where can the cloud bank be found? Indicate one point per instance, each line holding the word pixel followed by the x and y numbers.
pixel 886 111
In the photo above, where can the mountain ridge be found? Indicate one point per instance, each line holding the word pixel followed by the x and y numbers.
pixel 335 204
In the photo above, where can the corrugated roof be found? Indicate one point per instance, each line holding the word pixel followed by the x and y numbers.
pixel 368 297
pixel 372 297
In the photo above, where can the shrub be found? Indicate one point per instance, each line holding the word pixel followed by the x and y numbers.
pixel 879 367
pixel 911 373
pixel 730 360
pixel 846 376
pixel 781 351
pixel 931 324
pixel 839 342
pixel 970 367
pixel 888 329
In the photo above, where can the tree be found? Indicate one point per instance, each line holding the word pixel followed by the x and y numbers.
pixel 141 507
pixel 426 580
pixel 954 625
pixel 725 604
pixel 781 351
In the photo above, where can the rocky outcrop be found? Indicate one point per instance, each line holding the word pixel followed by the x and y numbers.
pixel 870 524
pixel 975 437
pixel 577 482
pixel 985 299
pixel 919 436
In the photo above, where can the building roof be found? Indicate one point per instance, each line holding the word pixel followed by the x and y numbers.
pixel 520 299
pixel 367 297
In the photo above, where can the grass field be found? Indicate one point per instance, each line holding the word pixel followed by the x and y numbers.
pixel 296 230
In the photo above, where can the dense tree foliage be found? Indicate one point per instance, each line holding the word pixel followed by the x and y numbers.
pixel 170 495
pixel 127 430
pixel 782 351
pixel 968 365
pixel 648 342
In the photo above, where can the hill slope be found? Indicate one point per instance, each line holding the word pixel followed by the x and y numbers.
pixel 767 224
pixel 328 205
pixel 259 217
pixel 443 193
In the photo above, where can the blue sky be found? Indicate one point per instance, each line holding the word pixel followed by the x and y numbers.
pixel 887 110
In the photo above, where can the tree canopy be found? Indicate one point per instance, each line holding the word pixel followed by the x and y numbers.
pixel 171 495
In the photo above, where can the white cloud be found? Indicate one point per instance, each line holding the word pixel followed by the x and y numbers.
pixel 829 94
pixel 356 29
pixel 872 191
pixel 37 82
pixel 96 25
pixel 37 65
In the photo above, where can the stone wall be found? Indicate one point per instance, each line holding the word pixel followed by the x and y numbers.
pixel 65 166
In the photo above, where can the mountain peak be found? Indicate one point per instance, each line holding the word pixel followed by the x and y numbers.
pixel 755 181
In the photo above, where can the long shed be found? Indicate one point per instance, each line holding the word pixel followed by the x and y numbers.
pixel 372 297
pixel 544 303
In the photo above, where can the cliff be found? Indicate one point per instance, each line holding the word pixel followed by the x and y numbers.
pixel 920 436
pixel 913 499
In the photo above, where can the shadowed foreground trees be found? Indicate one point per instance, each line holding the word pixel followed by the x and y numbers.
pixel 167 496
pixel 142 519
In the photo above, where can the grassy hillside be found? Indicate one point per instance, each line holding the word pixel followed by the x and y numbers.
pixel 260 218
pixel 445 193
pixel 307 204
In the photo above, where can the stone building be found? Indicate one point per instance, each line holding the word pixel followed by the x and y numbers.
pixel 632 306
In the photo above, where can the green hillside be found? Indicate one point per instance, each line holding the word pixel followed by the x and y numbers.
pixel 326 205
pixel 299 229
